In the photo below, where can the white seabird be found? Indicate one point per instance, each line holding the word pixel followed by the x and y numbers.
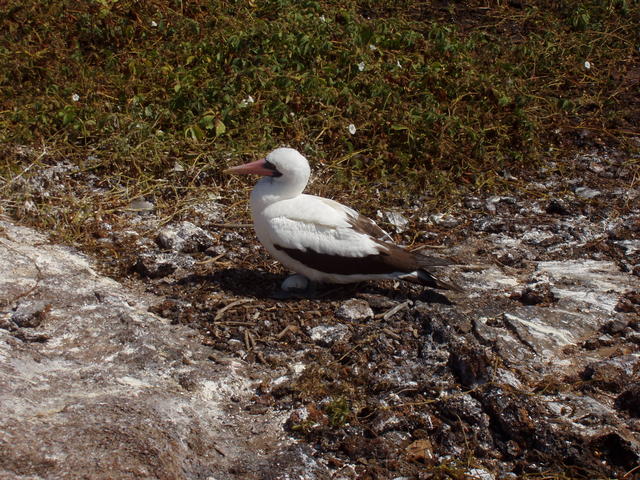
pixel 320 239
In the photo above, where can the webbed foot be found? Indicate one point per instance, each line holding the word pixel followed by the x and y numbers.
pixel 296 286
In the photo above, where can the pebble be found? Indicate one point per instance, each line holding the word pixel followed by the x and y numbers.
pixel 491 202
pixel 397 220
pixel 473 202
pixel 209 212
pixel 184 237
pixel 158 265
pixel 586 192
pixel 444 220
pixel 140 205
pixel 537 293
pixel 327 335
pixel 479 474
pixel 29 314
pixel 557 207
pixel 354 310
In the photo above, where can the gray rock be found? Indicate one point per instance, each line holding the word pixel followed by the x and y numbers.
pixel 629 399
pixel 586 192
pixel 208 212
pixel 612 374
pixel 159 265
pixel 141 205
pixel 479 474
pixel 385 421
pixel 473 203
pixel 115 391
pixel 558 207
pixel 493 202
pixel 184 237
pixel 444 220
pixel 397 220
pixel 354 310
pixel 327 335
pixel 30 314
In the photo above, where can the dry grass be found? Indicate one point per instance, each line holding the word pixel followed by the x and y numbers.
pixel 444 96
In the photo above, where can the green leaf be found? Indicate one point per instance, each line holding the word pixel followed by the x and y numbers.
pixel 208 122
pixel 194 132
pixel 220 127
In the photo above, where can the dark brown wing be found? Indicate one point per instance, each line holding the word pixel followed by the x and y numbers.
pixel 366 226
pixel 389 259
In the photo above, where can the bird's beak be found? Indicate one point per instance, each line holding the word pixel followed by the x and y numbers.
pixel 257 168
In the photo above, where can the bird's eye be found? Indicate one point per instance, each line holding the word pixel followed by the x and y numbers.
pixel 271 166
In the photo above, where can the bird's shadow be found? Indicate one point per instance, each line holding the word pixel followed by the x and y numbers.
pixel 265 285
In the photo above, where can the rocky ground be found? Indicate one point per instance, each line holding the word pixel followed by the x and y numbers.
pixel 194 367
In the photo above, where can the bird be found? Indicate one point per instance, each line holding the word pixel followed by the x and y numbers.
pixel 321 240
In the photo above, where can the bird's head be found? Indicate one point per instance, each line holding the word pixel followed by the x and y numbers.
pixel 285 166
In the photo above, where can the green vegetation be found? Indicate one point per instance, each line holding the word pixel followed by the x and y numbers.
pixel 441 94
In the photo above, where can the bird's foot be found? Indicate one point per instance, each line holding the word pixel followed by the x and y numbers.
pixel 296 286
pixel 295 283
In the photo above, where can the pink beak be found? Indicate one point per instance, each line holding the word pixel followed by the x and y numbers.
pixel 256 168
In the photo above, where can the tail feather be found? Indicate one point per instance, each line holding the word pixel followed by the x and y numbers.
pixel 423 277
pixel 424 261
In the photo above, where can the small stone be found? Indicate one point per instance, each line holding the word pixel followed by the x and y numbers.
pixel 140 205
pixel 354 310
pixel 215 250
pixel 444 220
pixel 385 421
pixel 612 374
pixel 537 293
pixel 613 327
pixel 625 305
pixel 470 365
pixel 633 337
pixel 420 451
pixel 379 302
pixel 492 202
pixel 327 335
pixel 557 207
pixel 617 449
pixel 158 265
pixel 490 224
pixel 629 400
pixel 30 315
pixel 511 258
pixel 473 203
pixel 586 192
pixel 397 220
pixel 479 474
pixel 184 237
pixel 540 238
pixel 208 212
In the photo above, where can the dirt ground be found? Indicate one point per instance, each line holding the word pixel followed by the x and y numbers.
pixel 531 372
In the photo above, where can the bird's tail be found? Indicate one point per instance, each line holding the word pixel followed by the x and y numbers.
pixel 423 277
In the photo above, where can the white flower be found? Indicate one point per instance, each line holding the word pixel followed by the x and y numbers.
pixel 587 64
pixel 247 101
pixel 352 129
pixel 361 66
pixel 373 48
pixel 153 23
pixel 322 19
pixel 75 97
pixel 398 64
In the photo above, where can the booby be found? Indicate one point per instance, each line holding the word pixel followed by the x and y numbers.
pixel 320 239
